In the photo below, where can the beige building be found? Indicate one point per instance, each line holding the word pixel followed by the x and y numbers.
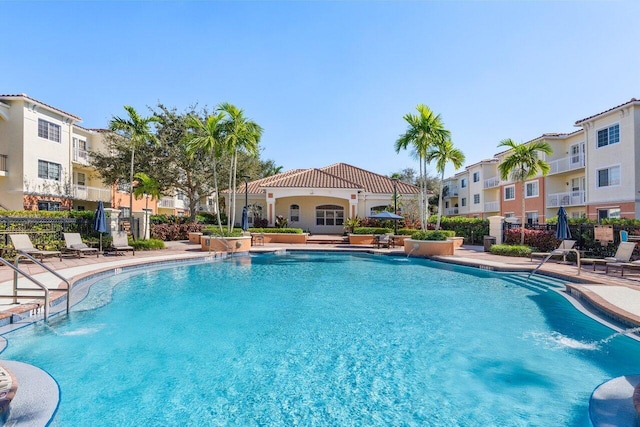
pixel 319 200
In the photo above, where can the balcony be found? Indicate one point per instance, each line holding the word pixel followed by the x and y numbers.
pixel 452 191
pixel 492 206
pixel 570 198
pixel 567 164
pixel 451 211
pixel 3 165
pixel 81 156
pixel 492 182
pixel 93 194
pixel 172 203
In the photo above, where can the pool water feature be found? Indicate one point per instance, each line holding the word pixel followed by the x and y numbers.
pixel 324 339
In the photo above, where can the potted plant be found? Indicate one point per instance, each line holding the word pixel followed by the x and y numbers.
pixel 429 243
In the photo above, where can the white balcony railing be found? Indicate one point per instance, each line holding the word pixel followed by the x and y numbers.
pixel 452 191
pixel 81 156
pixel 451 211
pixel 172 203
pixel 571 198
pixel 492 182
pixel 492 207
pixel 566 164
pixel 93 194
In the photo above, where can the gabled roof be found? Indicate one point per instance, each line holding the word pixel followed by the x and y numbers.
pixel 25 96
pixel 631 101
pixel 339 175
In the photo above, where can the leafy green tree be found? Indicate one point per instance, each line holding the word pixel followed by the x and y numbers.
pixel 148 188
pixel 207 141
pixel 424 129
pixel 522 164
pixel 443 152
pixel 137 130
pixel 240 134
pixel 269 168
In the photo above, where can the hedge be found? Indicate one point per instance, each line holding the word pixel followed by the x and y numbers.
pixel 276 230
pixel 511 250
pixel 431 235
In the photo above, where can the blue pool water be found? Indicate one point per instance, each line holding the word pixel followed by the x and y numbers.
pixel 322 339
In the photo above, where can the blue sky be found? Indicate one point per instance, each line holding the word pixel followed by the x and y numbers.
pixel 329 81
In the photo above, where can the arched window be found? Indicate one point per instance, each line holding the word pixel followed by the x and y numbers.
pixel 294 213
pixel 255 213
pixel 329 215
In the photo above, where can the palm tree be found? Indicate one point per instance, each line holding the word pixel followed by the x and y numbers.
pixel 137 130
pixel 240 134
pixel 523 163
pixel 207 139
pixel 146 187
pixel 444 152
pixel 425 129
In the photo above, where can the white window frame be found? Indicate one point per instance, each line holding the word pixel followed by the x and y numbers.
pixel 532 213
pixel 330 213
pixel 48 164
pixel 476 197
pixel 463 202
pixel 509 215
pixel 476 176
pixel 49 130
pixel 512 187
pixel 463 183
pixel 609 178
pixel 526 189
pixel 608 129
pixel 294 213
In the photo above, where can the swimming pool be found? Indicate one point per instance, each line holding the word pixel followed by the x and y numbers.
pixel 324 339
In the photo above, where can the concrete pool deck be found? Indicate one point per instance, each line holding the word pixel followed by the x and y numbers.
pixel 619 297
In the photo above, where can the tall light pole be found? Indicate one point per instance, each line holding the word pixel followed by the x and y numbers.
pixel 395 205
pixel 246 196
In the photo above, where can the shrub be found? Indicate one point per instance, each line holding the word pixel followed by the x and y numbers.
pixel 214 230
pixel 472 229
pixel 147 245
pixel 406 231
pixel 511 250
pixel 261 223
pixel 541 240
pixel 371 230
pixel 281 222
pixel 276 230
pixel 429 235
pixel 168 232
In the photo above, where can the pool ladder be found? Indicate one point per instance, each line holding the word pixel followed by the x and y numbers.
pixel 46 297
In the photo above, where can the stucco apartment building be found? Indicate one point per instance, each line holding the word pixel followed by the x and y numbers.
pixel 594 173
pixel 44 162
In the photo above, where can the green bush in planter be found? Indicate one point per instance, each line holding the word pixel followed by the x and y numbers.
pixel 371 230
pixel 406 231
pixel 430 235
pixel 511 250
pixel 276 230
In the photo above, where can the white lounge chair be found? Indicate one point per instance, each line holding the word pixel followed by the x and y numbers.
pixel 565 247
pixel 120 243
pixel 74 244
pixel 623 254
pixel 22 244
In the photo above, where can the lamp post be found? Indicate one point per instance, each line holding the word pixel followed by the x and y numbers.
pixel 395 205
pixel 246 196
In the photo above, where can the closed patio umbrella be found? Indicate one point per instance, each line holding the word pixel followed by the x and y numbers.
pixel 100 221
pixel 245 219
pixel 562 228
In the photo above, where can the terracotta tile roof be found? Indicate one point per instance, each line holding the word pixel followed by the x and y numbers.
pixel 631 101
pixel 25 96
pixel 339 175
pixel 371 182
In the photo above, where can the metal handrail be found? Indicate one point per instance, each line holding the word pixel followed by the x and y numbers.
pixel 49 269
pixel 15 295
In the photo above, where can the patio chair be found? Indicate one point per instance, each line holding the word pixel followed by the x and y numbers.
pixel 623 254
pixel 74 244
pixel 22 244
pixel 565 247
pixel 120 243
pixel 384 240
pixel 622 266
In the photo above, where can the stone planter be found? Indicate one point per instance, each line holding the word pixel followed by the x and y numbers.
pixel 428 247
pixel 361 239
pixel 457 241
pixel 195 237
pixel 400 238
pixel 284 237
pixel 225 244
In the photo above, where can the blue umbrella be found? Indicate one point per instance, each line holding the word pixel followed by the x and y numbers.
pixel 562 228
pixel 386 215
pixel 100 221
pixel 245 219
